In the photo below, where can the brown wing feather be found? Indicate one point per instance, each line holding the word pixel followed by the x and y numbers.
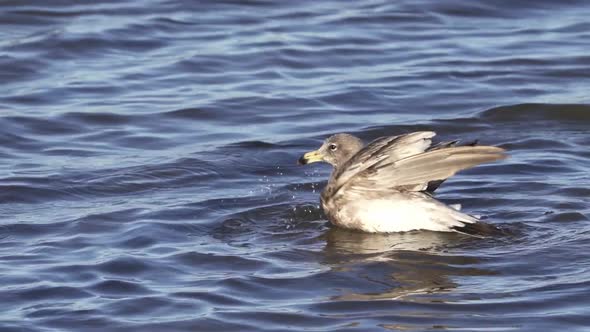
pixel 389 149
pixel 415 172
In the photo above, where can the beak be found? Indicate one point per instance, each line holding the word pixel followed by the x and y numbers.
pixel 310 157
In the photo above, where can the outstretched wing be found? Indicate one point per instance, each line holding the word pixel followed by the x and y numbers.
pixel 433 185
pixel 413 173
pixel 387 149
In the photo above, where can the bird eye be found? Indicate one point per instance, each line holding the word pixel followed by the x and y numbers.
pixel 333 147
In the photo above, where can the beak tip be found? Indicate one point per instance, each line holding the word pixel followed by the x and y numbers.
pixel 302 161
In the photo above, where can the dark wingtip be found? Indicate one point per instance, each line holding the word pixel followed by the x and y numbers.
pixel 480 229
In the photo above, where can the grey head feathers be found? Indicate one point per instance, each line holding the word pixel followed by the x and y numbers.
pixel 338 149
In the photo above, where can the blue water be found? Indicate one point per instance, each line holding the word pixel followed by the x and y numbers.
pixel 149 183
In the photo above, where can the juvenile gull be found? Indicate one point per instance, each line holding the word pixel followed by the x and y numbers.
pixel 387 185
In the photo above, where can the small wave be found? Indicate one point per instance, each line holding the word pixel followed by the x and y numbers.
pixel 578 113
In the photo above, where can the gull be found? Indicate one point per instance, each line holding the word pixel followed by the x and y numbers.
pixel 387 186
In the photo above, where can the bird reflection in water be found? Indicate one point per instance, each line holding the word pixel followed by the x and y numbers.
pixel 408 266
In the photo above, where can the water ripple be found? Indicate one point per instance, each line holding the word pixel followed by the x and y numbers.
pixel 149 183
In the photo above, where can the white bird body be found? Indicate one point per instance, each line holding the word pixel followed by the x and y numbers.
pixel 397 212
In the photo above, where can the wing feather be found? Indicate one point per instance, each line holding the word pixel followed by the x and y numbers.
pixel 413 173
pixel 384 149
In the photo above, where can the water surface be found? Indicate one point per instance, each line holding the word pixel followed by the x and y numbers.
pixel 148 178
